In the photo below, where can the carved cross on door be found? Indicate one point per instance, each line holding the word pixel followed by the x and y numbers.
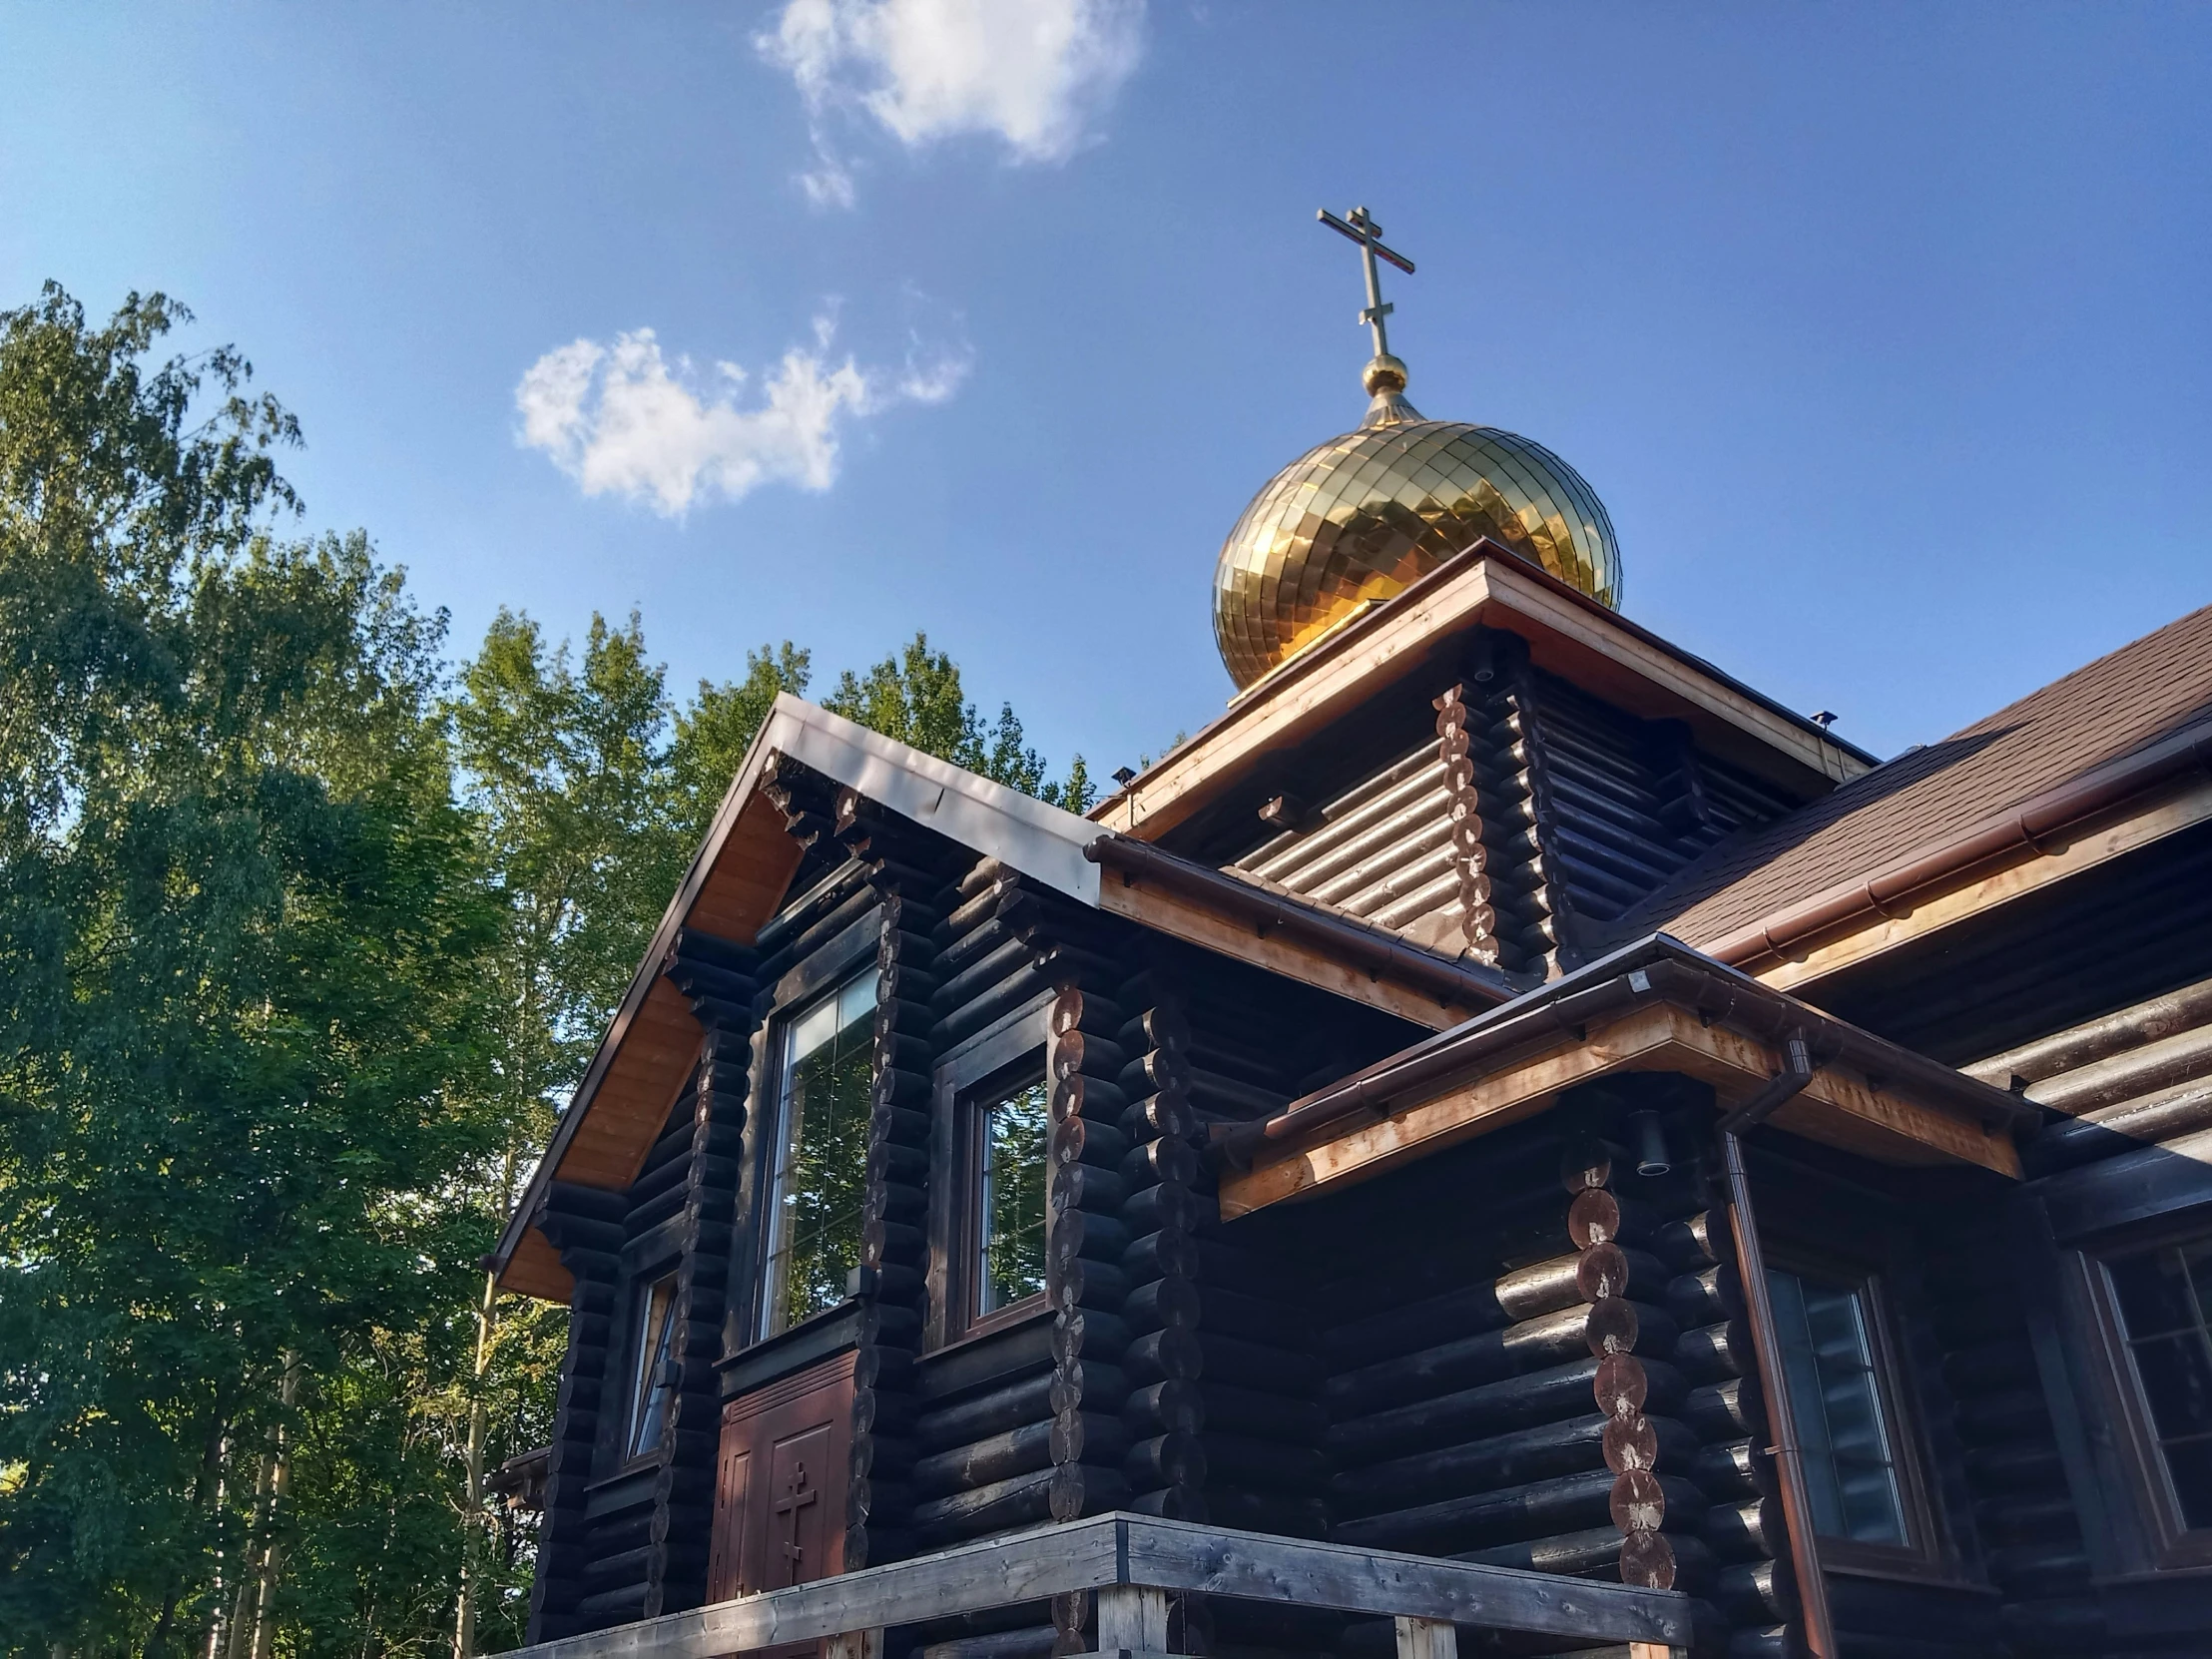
pixel 788 1503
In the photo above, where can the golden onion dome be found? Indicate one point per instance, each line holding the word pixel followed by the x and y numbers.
pixel 1358 519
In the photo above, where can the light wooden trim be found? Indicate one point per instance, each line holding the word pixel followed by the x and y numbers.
pixel 1565 633
pixel 1151 1554
pixel 1179 916
pixel 2112 840
pixel 1838 1108
pixel 1427 1639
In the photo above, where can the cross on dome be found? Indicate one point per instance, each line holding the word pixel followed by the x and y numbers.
pixel 1362 229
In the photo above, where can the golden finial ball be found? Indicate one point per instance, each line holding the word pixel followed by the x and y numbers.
pixel 1364 516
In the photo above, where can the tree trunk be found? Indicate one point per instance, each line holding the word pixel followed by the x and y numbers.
pixel 472 1524
pixel 265 1594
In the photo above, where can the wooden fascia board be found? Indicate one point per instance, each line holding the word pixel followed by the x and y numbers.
pixel 1948 907
pixel 1181 917
pixel 1838 1108
pixel 1565 629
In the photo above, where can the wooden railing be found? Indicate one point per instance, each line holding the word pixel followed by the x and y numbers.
pixel 1133 1563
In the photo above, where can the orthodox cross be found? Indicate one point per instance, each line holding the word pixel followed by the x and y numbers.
pixel 1369 234
pixel 795 1498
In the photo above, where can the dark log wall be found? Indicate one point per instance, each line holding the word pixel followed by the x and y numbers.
pixel 2095 999
pixel 1529 824
pixel 1535 1357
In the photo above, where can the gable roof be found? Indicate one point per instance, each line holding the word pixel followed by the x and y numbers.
pixel 742 876
pixel 2128 712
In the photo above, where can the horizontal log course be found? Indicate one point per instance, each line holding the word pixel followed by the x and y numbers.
pixel 1715 1353
pixel 1089 1437
pixel 987 1364
pixel 1755 1592
pixel 1082 1331
pixel 1516 1458
pixel 1161 1304
pixel 1168 1204
pixel 997 1457
pixel 1264 1320
pixel 1080 1232
pixel 1263 1465
pixel 1997 1363
pixel 1593 1550
pixel 1030 1641
pixel 1289 1419
pixel 1152 1162
pixel 1080 1384
pixel 1724 1410
pixel 1750 1530
pixel 1173 1406
pixel 1562 1503
pixel 1531 1345
pixel 1173 1253
pixel 1079 1283
pixel 1514 1402
pixel 1255 1366
pixel 1164 1460
pixel 1735 1469
pixel 1280 1513
pixel 1153 1116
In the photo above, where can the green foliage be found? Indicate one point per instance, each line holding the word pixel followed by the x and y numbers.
pixel 308 938
pixel 916 696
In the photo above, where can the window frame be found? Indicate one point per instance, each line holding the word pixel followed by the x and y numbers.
pixel 978 1073
pixel 1926 1552
pixel 822 978
pixel 2172 1543
pixel 643 1350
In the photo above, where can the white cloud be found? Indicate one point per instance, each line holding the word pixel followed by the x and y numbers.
pixel 1033 72
pixel 622 419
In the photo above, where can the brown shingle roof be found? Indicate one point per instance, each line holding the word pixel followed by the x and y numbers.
pixel 2113 706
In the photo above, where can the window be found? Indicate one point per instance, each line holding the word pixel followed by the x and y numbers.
pixel 818 1181
pixel 2162 1297
pixel 1010 1131
pixel 649 1389
pixel 1826 1329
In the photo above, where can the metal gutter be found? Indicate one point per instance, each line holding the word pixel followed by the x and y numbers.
pixel 1655 969
pixel 2028 825
pixel 1361 943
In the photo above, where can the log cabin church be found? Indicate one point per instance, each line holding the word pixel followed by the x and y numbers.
pixel 1507 1140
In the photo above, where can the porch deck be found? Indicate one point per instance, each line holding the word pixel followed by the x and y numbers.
pixel 1133 1563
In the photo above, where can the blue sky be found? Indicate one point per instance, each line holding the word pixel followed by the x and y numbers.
pixel 1882 331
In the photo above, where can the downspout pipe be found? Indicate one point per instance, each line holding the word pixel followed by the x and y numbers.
pixel 1751 1265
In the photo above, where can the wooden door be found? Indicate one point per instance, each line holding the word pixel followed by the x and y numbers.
pixel 780 1481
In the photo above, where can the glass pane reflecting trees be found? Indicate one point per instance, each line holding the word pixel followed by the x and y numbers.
pixel 819 1180
pixel 1012 1188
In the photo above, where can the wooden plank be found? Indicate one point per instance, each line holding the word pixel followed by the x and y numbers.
pixel 1132 1618
pixel 856 1644
pixel 1258 1567
pixel 2188 808
pixel 1157 1555
pixel 535 1270
pixel 1838 1108
pixel 1185 918
pixel 1427 1639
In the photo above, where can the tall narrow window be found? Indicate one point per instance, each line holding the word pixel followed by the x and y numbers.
pixel 1010 1231
pixel 1825 1330
pixel 818 1184
pixel 649 1391
pixel 2164 1297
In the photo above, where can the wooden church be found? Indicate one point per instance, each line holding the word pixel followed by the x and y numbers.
pixel 1507 1140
